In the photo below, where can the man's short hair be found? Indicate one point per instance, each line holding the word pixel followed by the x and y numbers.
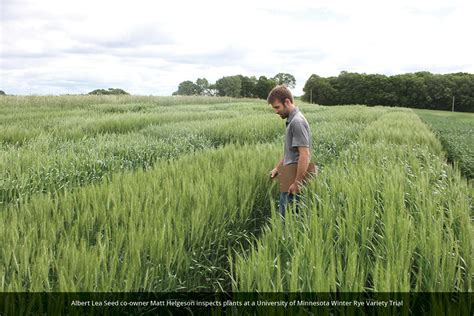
pixel 279 93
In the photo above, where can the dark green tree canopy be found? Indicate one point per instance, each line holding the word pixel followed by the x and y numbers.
pixel 263 87
pixel 319 89
pixel 248 86
pixel 236 86
pixel 110 91
pixel 230 86
pixel 202 86
pixel 417 90
pixel 187 88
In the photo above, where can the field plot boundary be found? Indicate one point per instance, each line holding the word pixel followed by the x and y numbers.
pixel 456 133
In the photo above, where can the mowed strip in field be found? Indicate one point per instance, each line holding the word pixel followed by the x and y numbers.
pixel 192 220
pixel 456 132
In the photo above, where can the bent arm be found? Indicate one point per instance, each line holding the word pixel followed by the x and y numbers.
pixel 303 163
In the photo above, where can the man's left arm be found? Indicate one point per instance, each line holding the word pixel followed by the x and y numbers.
pixel 303 163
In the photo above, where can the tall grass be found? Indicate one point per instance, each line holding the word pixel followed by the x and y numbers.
pixel 81 151
pixel 167 226
pixel 187 204
pixel 70 146
pixel 166 229
pixel 388 215
pixel 49 166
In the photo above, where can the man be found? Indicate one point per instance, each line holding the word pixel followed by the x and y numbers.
pixel 297 142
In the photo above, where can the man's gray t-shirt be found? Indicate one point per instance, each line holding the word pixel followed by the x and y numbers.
pixel 297 135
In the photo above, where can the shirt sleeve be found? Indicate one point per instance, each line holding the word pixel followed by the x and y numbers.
pixel 301 134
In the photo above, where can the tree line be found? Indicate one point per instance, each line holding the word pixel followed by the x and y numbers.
pixel 110 91
pixel 237 86
pixel 416 90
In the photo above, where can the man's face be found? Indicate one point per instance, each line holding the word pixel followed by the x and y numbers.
pixel 281 109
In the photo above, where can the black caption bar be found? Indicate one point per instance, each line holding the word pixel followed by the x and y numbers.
pixel 237 303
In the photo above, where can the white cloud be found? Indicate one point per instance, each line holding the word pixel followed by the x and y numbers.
pixel 148 47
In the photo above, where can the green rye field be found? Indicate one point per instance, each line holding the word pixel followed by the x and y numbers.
pixel 172 194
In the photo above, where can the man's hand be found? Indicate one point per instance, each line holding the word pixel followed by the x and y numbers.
pixel 273 173
pixel 294 188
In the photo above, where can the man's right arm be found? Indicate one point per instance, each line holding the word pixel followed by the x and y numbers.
pixel 275 170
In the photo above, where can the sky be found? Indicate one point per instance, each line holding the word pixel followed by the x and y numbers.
pixel 149 47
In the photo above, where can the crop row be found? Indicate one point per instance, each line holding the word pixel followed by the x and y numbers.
pixel 164 229
pixel 456 132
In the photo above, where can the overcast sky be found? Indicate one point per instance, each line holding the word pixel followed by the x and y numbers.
pixel 149 47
